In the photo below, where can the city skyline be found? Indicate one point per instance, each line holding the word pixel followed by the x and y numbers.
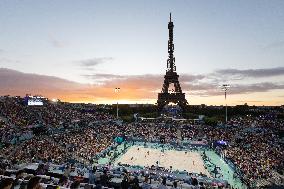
pixel 81 51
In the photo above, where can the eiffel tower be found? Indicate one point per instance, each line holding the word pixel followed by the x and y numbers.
pixel 176 95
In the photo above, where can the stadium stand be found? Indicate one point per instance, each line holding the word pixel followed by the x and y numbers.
pixel 59 144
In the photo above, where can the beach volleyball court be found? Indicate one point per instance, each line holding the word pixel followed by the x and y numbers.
pixel 179 160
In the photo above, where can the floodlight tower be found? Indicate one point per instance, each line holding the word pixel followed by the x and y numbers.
pixel 116 90
pixel 225 88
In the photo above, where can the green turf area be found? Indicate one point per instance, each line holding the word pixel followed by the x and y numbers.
pixel 226 170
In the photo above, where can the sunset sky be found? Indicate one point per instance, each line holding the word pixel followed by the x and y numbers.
pixel 80 50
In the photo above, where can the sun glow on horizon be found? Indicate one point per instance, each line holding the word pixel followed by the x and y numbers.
pixel 193 100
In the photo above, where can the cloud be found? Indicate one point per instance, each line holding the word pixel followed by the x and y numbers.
pixel 103 76
pixel 145 83
pixel 150 82
pixel 15 79
pixel 1 51
pixel 94 61
pixel 254 73
pixel 133 87
pixel 147 86
pixel 256 87
pixel 210 89
pixel 17 83
pixel 203 85
pixel 237 89
pixel 191 78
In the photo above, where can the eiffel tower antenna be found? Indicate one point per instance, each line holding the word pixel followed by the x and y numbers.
pixel 171 59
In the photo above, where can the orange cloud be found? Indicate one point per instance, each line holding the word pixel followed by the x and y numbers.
pixel 139 88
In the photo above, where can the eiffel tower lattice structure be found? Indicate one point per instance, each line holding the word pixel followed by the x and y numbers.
pixel 175 95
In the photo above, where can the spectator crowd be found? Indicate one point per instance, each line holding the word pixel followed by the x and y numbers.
pixel 57 132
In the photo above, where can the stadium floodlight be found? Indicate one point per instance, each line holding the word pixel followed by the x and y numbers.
pixel 116 90
pixel 54 100
pixel 225 88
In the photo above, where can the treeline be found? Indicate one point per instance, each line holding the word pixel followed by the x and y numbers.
pixel 211 113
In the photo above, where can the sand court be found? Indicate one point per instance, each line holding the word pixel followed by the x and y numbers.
pixel 179 160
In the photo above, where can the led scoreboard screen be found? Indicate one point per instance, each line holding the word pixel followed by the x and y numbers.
pixel 34 101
